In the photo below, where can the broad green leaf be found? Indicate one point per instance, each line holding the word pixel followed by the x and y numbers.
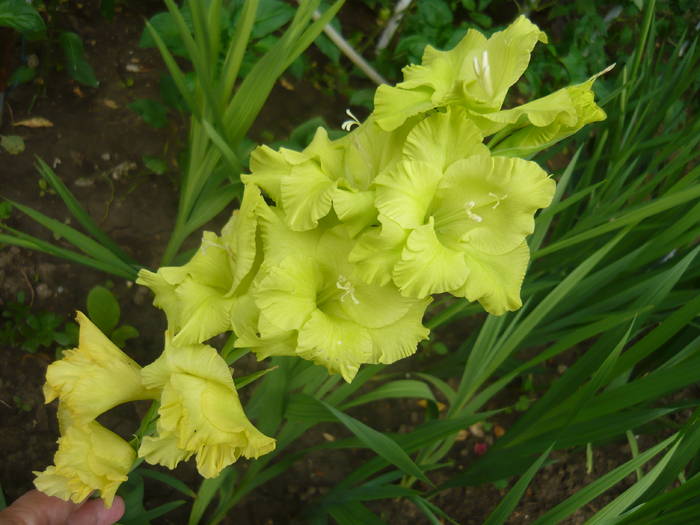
pixel 76 63
pixel 20 15
pixel 103 309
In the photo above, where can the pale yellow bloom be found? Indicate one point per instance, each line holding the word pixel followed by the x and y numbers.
pixel 200 412
pixel 89 458
pixel 94 377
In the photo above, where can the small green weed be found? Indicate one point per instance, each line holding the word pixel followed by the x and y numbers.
pixel 20 327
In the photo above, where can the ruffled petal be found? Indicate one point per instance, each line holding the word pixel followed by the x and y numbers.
pixel 400 339
pixel 491 201
pixel 239 236
pixel 89 458
pixel 287 293
pixel 393 105
pixel 427 266
pixel 443 138
pixel 339 345
pixel 495 280
pixel 200 412
pixel 545 121
pixel 204 314
pixel 377 251
pixel 255 332
pixel 405 193
pixel 307 196
pixel 355 209
pixel 93 378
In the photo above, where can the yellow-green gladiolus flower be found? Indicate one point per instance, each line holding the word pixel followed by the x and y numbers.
pixel 475 74
pixel 459 230
pixel 200 412
pixel 89 458
pixel 341 320
pixel 197 297
pixel 93 378
pixel 539 124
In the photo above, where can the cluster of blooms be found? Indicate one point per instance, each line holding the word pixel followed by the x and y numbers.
pixel 333 257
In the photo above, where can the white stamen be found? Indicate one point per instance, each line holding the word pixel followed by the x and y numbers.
pixel 348 289
pixel 468 207
pixel 498 199
pixel 348 124
pixel 483 72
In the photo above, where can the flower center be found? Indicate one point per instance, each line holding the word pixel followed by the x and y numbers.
pixel 468 207
pixel 498 199
pixel 348 289
pixel 482 69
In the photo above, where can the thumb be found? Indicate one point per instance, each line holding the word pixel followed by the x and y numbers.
pixel 93 512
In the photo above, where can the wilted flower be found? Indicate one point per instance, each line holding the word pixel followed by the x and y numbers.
pixel 200 412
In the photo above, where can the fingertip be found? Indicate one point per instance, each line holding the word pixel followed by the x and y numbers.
pixel 94 512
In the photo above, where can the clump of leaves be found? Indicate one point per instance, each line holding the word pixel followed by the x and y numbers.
pixel 20 327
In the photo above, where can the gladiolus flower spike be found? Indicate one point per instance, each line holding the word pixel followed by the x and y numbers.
pixel 333 257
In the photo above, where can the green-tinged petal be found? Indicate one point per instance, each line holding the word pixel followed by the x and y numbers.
pixel 239 236
pixel 210 265
pixel 339 345
pixel 200 412
pixel 443 138
pixel 258 334
pixel 163 450
pixel 307 194
pixel 393 105
pixel 500 64
pixel 490 202
pixel 371 305
pixel 400 339
pixel 279 240
pixel 546 121
pixel 355 209
pixel 556 107
pixel 476 74
pixel 204 312
pixel 287 293
pixel 369 150
pixel 165 297
pixel 329 154
pixel 94 377
pixel 268 167
pixel 89 458
pixel 427 266
pixel 377 251
pixel 405 193
pixel 495 280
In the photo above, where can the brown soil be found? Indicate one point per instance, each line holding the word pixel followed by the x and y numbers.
pixel 96 144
